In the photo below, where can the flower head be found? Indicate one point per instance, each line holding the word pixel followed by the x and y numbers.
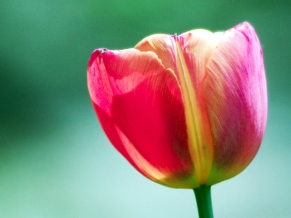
pixel 183 110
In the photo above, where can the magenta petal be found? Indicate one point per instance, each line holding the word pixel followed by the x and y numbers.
pixel 141 114
pixel 236 99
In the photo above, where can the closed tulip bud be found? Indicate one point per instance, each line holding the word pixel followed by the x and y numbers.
pixel 185 110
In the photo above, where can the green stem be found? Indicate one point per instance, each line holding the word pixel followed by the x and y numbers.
pixel 203 199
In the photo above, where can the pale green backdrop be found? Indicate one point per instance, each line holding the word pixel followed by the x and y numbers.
pixel 55 161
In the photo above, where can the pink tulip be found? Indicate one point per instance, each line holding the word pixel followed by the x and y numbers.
pixel 184 110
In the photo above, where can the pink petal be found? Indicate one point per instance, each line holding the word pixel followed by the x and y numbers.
pixel 135 99
pixel 236 101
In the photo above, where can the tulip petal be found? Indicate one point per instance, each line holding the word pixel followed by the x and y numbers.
pixel 194 48
pixel 236 101
pixel 163 46
pixel 135 99
pixel 187 56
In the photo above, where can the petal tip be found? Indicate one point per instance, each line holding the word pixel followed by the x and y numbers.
pixel 243 25
pixel 245 28
pixel 96 53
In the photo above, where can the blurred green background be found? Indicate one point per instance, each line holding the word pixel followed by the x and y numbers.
pixel 55 161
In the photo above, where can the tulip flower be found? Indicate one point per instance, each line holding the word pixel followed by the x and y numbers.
pixel 186 111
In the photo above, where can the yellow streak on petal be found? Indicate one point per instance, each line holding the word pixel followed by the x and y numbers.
pixel 198 129
pixel 151 172
pixel 143 165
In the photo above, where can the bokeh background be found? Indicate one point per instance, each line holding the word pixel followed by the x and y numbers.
pixel 55 161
